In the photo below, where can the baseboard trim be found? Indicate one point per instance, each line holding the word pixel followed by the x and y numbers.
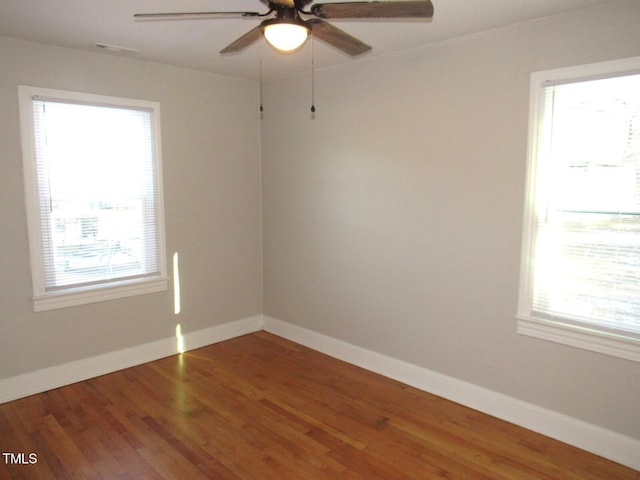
pixel 49 378
pixel 606 443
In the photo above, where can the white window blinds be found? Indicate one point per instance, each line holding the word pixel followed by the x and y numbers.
pixel 97 187
pixel 586 239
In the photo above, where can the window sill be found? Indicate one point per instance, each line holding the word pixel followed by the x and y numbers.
pixel 85 295
pixel 609 343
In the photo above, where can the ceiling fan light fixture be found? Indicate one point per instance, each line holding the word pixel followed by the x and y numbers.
pixel 285 35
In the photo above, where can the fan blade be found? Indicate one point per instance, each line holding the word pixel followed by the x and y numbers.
pixel 382 9
pixel 192 15
pixel 337 38
pixel 243 42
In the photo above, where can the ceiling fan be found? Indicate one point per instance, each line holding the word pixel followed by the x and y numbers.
pixel 287 24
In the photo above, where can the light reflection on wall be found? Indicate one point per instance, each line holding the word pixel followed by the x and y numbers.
pixel 179 339
pixel 176 284
pixel 180 347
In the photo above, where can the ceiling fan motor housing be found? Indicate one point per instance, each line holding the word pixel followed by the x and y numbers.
pixel 285 15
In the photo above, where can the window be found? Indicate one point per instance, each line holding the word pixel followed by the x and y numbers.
pixel 580 276
pixel 94 196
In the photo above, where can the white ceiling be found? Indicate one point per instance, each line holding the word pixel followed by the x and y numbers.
pixel 195 43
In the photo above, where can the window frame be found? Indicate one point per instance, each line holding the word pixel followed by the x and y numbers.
pixel 109 289
pixel 564 331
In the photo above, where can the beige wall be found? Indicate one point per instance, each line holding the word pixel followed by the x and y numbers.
pixel 211 163
pixel 393 220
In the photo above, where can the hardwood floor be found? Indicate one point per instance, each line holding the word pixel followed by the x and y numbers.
pixel 260 407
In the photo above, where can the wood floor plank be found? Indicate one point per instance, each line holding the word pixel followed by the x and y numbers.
pixel 260 407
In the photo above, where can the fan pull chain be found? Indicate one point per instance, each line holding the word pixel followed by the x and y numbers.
pixel 313 75
pixel 260 71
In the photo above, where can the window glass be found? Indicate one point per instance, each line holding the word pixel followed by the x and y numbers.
pixel 588 241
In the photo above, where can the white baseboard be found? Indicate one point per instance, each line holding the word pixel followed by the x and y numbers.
pixel 30 383
pixel 583 435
